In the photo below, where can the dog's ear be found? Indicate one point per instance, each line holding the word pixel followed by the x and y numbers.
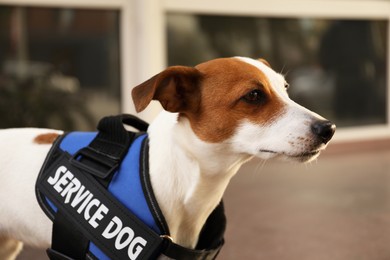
pixel 176 88
pixel 265 62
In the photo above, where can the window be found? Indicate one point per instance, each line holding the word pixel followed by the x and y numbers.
pixel 304 40
pixel 336 67
pixel 59 67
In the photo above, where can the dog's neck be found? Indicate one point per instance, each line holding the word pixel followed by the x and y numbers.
pixel 188 175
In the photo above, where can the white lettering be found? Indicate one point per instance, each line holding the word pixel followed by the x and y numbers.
pixel 94 202
pixel 53 180
pixel 68 186
pixel 126 231
pixel 80 196
pixel 63 181
pixel 98 215
pixel 85 203
pixel 108 233
pixel 133 254
pixel 76 184
pixel 124 237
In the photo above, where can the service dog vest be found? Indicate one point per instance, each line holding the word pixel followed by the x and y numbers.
pixel 95 187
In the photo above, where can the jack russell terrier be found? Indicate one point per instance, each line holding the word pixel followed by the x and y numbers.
pixel 218 115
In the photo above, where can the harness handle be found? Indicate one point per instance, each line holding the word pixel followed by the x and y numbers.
pixel 103 155
pixel 135 122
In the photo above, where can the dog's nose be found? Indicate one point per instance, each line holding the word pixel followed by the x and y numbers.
pixel 324 129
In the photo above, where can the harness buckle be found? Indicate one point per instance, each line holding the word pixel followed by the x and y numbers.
pixel 97 163
pixel 167 237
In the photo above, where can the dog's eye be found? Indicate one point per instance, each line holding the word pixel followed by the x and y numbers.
pixel 286 85
pixel 254 97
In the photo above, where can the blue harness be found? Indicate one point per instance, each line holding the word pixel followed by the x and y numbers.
pixel 101 201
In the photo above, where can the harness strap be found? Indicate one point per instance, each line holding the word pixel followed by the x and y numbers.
pixel 66 239
pixel 210 240
pixel 175 251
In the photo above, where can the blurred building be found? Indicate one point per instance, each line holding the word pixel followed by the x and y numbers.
pixel 65 64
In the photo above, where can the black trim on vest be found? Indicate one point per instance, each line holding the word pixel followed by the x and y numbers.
pixel 52 155
pixel 148 190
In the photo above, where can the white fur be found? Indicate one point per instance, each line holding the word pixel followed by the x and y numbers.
pixel 189 176
pixel 21 159
pixel 199 173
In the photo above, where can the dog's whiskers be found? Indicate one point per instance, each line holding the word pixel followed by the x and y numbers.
pixel 260 166
pixel 281 72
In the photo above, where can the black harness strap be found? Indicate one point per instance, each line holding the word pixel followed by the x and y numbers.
pixel 210 241
pixel 67 241
pixel 101 158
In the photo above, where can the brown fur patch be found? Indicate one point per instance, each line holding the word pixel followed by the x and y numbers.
pixel 225 82
pixel 47 138
pixel 211 96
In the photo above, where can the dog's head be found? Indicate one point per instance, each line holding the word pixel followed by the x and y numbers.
pixel 242 102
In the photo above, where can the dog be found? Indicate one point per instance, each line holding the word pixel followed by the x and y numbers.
pixel 217 116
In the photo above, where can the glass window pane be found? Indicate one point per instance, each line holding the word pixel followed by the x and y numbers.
pixel 59 67
pixel 335 67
